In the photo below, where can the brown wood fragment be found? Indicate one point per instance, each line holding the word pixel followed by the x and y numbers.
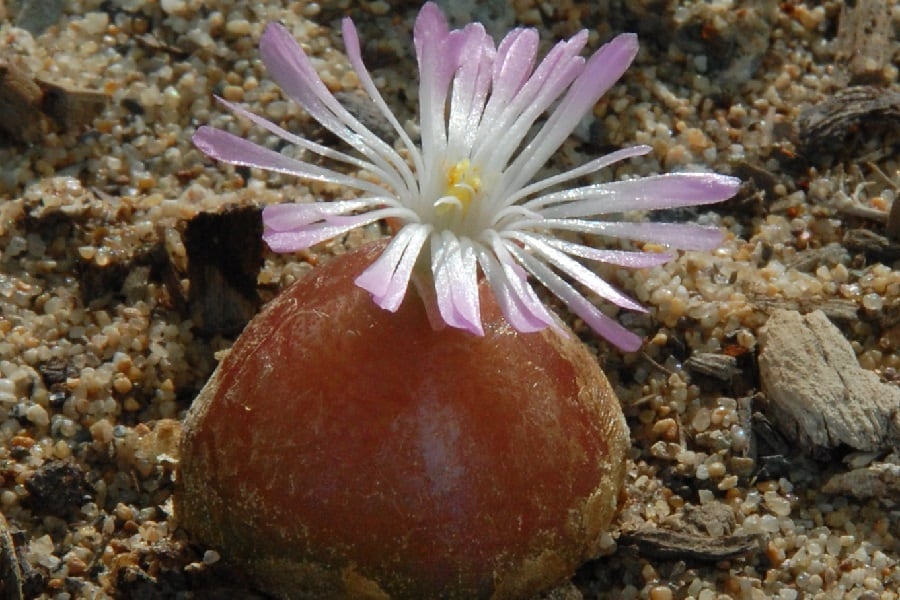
pixel 224 257
pixel 664 544
pixel 10 573
pixel 151 42
pixel 873 245
pixel 811 259
pixel 20 98
pixel 865 40
pixel 71 108
pixel 893 222
pixel 718 366
pixel 839 121
pixel 836 309
pixel 27 102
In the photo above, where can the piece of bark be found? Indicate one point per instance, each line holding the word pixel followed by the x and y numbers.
pixel 819 396
pixel 717 366
pixel 874 246
pixel 26 102
pixel 865 40
pixel 674 545
pixel 70 108
pixel 10 573
pixel 847 118
pixel 20 98
pixel 224 257
pixel 893 222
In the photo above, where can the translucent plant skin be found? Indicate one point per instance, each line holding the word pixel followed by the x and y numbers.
pixel 342 451
pixel 468 206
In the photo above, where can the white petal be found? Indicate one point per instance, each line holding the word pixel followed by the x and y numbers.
pixel 685 236
pixel 234 150
pixel 607 327
pixel 388 277
pixel 456 281
pixel 576 270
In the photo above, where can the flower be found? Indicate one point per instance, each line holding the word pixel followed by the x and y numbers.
pixel 467 203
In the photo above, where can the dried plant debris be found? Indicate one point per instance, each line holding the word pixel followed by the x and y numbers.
pixel 819 396
pixel 893 222
pixel 700 532
pixel 666 544
pixel 20 97
pixel 70 108
pixel 717 366
pixel 853 115
pixel 29 105
pixel 224 258
pixel 865 40
pixel 10 573
pixel 873 245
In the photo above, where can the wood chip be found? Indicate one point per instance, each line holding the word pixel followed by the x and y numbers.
pixel 20 98
pixel 224 257
pixel 836 309
pixel 26 103
pixel 10 573
pixel 811 259
pixel 850 116
pixel 718 366
pixel 819 396
pixel 71 108
pixel 664 544
pixel 893 222
pixel 876 247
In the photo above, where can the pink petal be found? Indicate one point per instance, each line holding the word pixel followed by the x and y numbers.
pixel 513 64
pixel 300 239
pixel 685 236
pixel 607 327
pixel 519 304
pixel 306 235
pixel 351 43
pixel 284 217
pixel 579 171
pixel 672 190
pixel 453 264
pixel 602 70
pixel 388 277
pixel 619 258
pixel 500 137
pixel 470 89
pixel 229 148
pixel 430 28
pixel 577 271
pixel 295 75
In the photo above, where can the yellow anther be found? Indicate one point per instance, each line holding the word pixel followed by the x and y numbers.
pixel 462 185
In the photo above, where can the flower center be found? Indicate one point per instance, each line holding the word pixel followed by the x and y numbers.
pixel 463 184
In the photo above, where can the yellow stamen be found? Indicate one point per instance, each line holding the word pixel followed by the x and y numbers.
pixel 463 184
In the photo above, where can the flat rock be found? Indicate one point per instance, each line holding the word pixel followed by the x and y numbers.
pixel 818 394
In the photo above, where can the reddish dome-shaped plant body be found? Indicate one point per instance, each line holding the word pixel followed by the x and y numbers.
pixel 341 450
